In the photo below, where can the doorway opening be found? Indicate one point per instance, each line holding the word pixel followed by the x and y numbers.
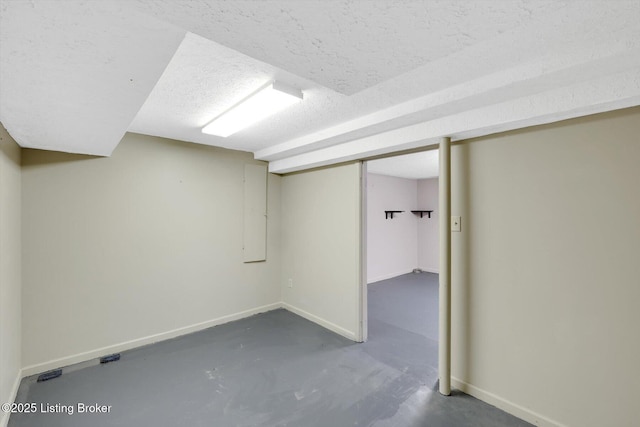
pixel 401 257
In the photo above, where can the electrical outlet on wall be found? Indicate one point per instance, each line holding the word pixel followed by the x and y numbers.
pixel 290 283
pixel 455 223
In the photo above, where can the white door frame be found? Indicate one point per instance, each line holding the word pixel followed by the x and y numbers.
pixel 444 294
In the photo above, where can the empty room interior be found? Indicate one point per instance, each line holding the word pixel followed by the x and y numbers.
pixel 319 213
pixel 402 248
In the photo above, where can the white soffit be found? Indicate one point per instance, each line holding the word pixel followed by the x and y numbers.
pixel 411 166
pixel 73 74
pixel 203 80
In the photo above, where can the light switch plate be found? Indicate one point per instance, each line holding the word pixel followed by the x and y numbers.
pixel 455 223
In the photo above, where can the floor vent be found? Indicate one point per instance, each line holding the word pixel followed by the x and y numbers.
pixel 49 375
pixel 110 358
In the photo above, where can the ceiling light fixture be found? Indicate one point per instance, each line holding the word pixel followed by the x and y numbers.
pixel 263 103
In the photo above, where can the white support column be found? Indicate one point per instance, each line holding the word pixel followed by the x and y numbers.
pixel 444 345
pixel 364 312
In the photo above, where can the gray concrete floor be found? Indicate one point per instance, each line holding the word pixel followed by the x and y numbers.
pixel 276 369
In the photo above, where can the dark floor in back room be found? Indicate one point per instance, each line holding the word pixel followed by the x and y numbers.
pixel 276 369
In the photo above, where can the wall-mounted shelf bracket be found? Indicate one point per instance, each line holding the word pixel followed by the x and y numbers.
pixel 389 214
pixel 422 213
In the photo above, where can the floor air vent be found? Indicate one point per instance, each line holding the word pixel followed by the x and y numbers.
pixel 49 375
pixel 110 358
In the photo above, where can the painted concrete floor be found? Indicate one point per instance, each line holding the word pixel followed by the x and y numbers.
pixel 276 369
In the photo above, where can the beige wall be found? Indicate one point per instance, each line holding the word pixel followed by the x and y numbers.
pixel 134 248
pixel 10 270
pixel 546 271
pixel 321 246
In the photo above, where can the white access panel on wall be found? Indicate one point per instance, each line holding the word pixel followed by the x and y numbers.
pixel 255 213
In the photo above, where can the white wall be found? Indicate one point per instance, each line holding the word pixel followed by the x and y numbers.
pixel 428 231
pixel 321 246
pixel 141 246
pixel 546 271
pixel 392 244
pixel 397 246
pixel 10 270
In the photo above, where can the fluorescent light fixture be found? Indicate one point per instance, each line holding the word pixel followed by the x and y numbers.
pixel 263 103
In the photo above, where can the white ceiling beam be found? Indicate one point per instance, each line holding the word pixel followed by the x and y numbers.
pixel 525 79
pixel 606 93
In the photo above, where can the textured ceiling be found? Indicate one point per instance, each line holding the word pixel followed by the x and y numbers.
pixel 71 80
pixel 348 46
pixel 377 76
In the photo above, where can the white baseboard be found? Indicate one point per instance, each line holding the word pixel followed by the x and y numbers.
pixel 4 416
pixel 387 276
pixel 127 345
pixel 506 405
pixel 320 321
pixel 392 275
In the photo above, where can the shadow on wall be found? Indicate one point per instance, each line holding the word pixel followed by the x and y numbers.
pixel 55 157
pixel 7 149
